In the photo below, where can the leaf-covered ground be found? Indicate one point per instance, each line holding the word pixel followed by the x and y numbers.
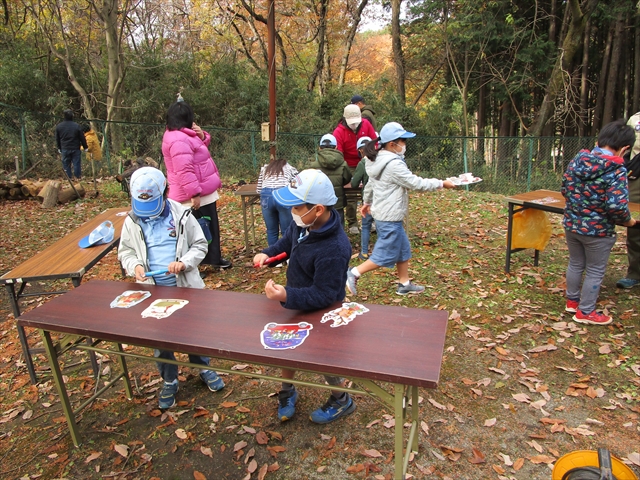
pixel 521 384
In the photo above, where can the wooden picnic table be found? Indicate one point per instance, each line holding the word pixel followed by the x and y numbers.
pixel 545 200
pixel 389 345
pixel 62 260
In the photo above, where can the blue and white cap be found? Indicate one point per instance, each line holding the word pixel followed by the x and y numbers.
pixel 309 186
pixel 362 141
pixel 393 131
pixel 328 140
pixel 147 191
pixel 100 235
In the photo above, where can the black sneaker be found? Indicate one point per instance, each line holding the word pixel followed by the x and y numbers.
pixel 224 264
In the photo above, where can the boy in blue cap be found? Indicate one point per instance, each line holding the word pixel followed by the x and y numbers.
pixel 319 252
pixel 160 234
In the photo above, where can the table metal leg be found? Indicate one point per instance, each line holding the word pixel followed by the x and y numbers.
pixel 399 443
pixel 244 220
pixel 62 389
pixel 253 222
pixel 507 266
pixel 125 372
pixel 536 258
pixel 22 335
pixel 415 416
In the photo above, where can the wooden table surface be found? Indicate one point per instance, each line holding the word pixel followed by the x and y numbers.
pixel 390 344
pixel 65 258
pixel 544 197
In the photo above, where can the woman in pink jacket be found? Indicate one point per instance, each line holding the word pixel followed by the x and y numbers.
pixel 192 174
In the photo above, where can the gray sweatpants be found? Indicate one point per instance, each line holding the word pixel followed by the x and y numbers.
pixel 588 255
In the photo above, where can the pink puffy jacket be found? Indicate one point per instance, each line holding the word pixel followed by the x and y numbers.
pixel 190 168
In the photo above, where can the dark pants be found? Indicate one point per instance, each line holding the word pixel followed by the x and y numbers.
pixel 352 207
pixel 633 235
pixel 72 157
pixel 214 255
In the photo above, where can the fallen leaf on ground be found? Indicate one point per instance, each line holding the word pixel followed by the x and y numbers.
pixel 239 446
pixel 122 449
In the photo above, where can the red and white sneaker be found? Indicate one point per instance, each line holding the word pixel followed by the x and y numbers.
pixel 593 318
pixel 572 306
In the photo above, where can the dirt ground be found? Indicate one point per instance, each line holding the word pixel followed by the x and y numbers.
pixel 521 384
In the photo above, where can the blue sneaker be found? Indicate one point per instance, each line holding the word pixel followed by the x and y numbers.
pixel 167 398
pixel 333 410
pixel 287 404
pixel 627 283
pixel 351 282
pixel 213 381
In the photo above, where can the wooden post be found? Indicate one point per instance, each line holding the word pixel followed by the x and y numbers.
pixel 50 194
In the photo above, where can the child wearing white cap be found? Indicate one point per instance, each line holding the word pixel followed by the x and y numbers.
pixel 386 197
pixel 319 253
pixel 160 234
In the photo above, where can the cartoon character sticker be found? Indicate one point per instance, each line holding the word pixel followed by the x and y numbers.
pixel 343 316
pixel 129 298
pixel 283 336
pixel 163 307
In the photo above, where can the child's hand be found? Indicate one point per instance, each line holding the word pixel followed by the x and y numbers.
pixel 258 260
pixel 139 272
pixel 364 210
pixel 176 267
pixel 196 128
pixel 448 184
pixel 275 291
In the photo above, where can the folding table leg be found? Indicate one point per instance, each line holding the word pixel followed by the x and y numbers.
pixel 399 442
pixel 22 335
pixel 244 220
pixel 507 266
pixel 92 355
pixel 62 389
pixel 125 372
pixel 415 416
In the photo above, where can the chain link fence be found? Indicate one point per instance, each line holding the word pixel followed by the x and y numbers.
pixel 507 165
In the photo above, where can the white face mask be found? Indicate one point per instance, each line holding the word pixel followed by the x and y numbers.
pixel 299 222
pixel 402 151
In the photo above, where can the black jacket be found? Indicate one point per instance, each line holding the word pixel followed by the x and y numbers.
pixel 69 136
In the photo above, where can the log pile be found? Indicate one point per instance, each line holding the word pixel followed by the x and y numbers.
pixel 49 192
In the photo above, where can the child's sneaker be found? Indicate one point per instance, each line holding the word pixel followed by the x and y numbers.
pixel 572 306
pixel 627 283
pixel 593 318
pixel 407 289
pixel 167 398
pixel 212 380
pixel 363 256
pixel 333 410
pixel 287 404
pixel 351 282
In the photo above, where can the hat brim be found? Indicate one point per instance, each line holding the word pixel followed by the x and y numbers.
pixel 150 208
pixel 353 121
pixel 84 242
pixel 407 135
pixel 287 199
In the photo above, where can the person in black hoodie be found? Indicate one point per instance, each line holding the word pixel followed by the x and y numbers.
pixel 319 252
pixel 69 139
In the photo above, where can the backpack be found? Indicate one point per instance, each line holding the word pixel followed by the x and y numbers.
pixel 633 167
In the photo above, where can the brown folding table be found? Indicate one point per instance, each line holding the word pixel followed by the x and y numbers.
pixel 62 260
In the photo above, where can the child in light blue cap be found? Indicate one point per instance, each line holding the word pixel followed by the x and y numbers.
pixel 386 197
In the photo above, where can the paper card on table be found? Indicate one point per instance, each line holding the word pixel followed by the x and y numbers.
pixel 283 336
pixel 130 298
pixel 163 307
pixel 343 316
pixel 545 200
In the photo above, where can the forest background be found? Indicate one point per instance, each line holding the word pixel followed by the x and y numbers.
pixel 466 68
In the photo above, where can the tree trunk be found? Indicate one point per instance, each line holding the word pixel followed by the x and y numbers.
pixel 635 106
pixel 351 35
pixel 604 70
pixel 584 84
pixel 570 46
pixel 50 194
pixel 69 194
pixel 612 77
pixel 321 37
pixel 396 43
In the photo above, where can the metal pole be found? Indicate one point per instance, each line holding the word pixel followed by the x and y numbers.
pixel 271 25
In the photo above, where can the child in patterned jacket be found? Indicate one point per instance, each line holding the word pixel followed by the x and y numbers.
pixel 597 199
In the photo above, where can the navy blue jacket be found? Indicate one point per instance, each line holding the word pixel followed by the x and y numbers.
pixel 318 263
pixel 69 136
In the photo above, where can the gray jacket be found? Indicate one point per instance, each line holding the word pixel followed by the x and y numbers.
pixel 388 188
pixel 191 246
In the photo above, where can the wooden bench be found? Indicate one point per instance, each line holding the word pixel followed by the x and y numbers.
pixel 62 260
pixel 545 200
pixel 392 345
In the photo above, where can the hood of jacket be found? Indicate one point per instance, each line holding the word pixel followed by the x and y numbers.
pixel 368 108
pixel 375 169
pixel 330 158
pixel 589 166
